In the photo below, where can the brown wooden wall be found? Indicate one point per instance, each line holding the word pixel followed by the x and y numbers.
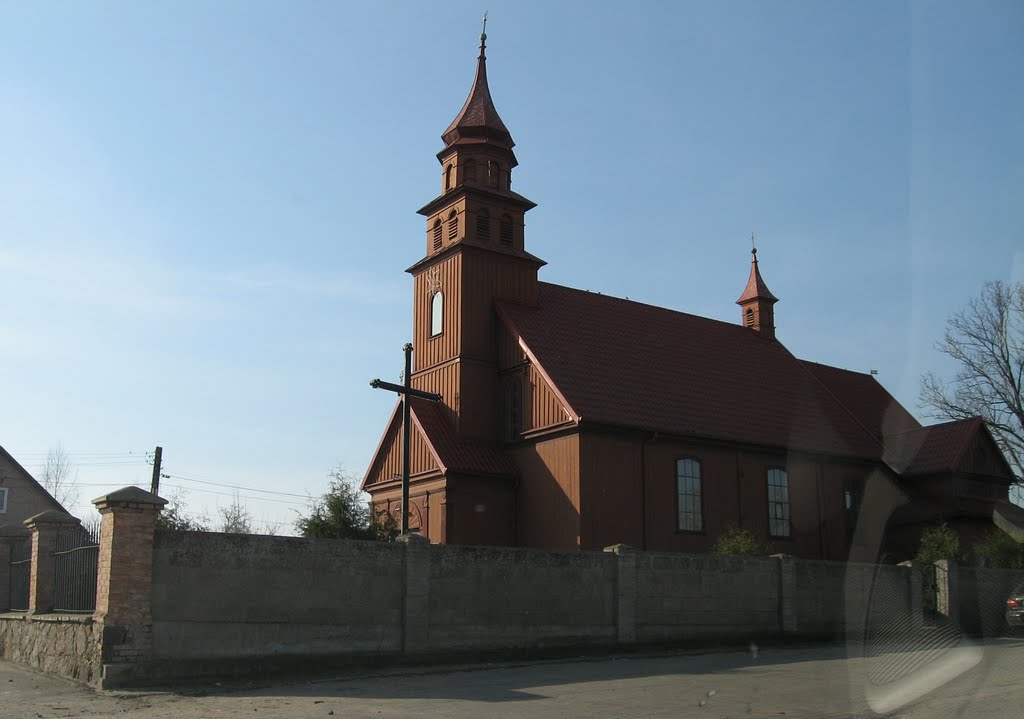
pixel 548 498
pixel 420 458
pixel 430 351
pixel 616 508
pixel 545 409
pixel 427 498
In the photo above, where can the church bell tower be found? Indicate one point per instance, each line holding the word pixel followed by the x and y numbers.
pixel 475 255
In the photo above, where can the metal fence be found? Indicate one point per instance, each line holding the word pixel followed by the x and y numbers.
pixel 76 562
pixel 21 575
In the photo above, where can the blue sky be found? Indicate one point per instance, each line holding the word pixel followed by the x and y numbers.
pixel 208 207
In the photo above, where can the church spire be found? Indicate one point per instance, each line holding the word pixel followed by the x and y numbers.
pixel 757 303
pixel 478 121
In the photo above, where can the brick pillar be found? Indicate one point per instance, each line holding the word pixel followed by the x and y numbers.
pixel 915 589
pixel 787 593
pixel 416 597
pixel 947 594
pixel 44 528
pixel 625 592
pixel 123 586
pixel 9 536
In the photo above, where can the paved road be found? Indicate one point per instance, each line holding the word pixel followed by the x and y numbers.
pixel 819 682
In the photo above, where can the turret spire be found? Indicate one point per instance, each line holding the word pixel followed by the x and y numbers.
pixel 478 121
pixel 757 302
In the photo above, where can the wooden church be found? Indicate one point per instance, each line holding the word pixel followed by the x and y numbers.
pixel 574 420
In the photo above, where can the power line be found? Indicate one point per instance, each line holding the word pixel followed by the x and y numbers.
pixel 233 486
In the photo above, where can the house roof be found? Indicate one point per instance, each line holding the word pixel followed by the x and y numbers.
pixel 628 364
pixel 453 454
pixel 868 400
pixel 928 450
pixel 25 475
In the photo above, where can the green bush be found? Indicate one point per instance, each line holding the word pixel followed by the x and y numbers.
pixel 999 550
pixel 738 542
pixel 937 543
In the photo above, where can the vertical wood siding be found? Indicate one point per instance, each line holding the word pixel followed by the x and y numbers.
pixel 391 468
pixel 545 409
pixel 548 503
pixel 434 350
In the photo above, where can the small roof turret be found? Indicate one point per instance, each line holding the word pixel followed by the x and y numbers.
pixel 756 289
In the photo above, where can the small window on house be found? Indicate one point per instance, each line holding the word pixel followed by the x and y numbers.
pixel 436 314
pixel 750 317
pixel 453 226
pixel 469 170
pixel 688 496
pixel 3 500
pixel 437 234
pixel 778 503
pixel 852 492
pixel 448 174
pixel 506 230
pixel 483 226
pixel 514 408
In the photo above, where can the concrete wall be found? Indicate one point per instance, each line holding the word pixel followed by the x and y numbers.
pixel 223 595
pixel 481 598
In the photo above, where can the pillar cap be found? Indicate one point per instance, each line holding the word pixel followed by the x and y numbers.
pixel 51 516
pixel 620 548
pixel 129 495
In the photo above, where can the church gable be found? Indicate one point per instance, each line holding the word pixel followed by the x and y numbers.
pixel 982 457
pixel 387 461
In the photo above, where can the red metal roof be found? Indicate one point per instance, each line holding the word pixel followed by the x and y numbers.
pixel 868 400
pixel 628 364
pixel 478 119
pixel 756 288
pixel 453 454
pixel 928 450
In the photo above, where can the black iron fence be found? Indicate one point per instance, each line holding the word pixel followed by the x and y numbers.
pixel 21 571
pixel 76 562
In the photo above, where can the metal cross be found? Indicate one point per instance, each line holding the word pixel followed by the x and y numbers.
pixel 405 391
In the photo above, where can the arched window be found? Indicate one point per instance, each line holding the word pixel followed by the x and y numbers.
pixel 506 230
pixel 469 171
pixel 436 314
pixel 778 503
pixel 689 496
pixel 493 170
pixel 750 317
pixel 453 226
pixel 514 409
pixel 483 226
pixel 437 234
pixel 448 174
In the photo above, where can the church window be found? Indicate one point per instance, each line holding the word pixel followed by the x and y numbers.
pixel 3 500
pixel 514 408
pixel 778 503
pixel 750 317
pixel 493 170
pixel 469 170
pixel 436 314
pixel 437 234
pixel 688 496
pixel 506 230
pixel 483 226
pixel 453 226
pixel 448 173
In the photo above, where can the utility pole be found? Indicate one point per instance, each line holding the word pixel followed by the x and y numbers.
pixel 154 486
pixel 405 391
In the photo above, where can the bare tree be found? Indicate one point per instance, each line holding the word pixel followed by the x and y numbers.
pixel 987 339
pixel 59 476
pixel 235 518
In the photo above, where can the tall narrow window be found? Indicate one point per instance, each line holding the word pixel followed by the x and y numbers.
pixel 453 226
pixel 778 503
pixel 493 170
pixel 469 171
pixel 506 230
pixel 3 500
pixel 514 402
pixel 448 175
pixel 437 234
pixel 483 226
pixel 436 314
pixel 688 494
pixel 750 317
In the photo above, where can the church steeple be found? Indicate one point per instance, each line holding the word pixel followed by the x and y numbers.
pixel 757 303
pixel 478 120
